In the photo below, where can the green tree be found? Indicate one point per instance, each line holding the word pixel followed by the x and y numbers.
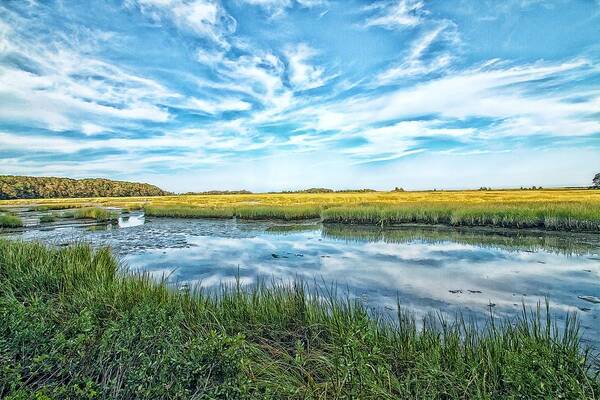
pixel 596 181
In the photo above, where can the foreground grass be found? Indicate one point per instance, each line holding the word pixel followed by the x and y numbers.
pixel 72 326
pixel 10 221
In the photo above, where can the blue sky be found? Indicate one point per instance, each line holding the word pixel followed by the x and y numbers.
pixel 287 94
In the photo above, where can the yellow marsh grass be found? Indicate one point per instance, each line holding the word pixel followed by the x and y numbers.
pixel 327 200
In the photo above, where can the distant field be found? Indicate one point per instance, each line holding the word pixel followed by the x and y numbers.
pixel 560 209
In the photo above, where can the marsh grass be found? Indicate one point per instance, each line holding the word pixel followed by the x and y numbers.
pixel 73 325
pixel 47 218
pixel 10 221
pixel 556 209
pixel 97 213
pixel 247 212
pixel 283 213
pixel 556 216
pixel 55 206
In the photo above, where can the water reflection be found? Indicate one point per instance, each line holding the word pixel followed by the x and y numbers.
pixel 425 269
pixel 510 240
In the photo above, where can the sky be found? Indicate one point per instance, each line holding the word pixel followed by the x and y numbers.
pixel 266 95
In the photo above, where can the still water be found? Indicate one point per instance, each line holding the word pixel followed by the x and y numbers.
pixel 425 269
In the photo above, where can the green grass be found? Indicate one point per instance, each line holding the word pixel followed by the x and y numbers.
pixel 10 221
pixel 247 212
pixel 284 213
pixel 73 326
pixel 97 213
pixel 47 218
pixel 50 207
pixel 66 214
pixel 557 216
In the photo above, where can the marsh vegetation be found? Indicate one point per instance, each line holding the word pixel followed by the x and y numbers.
pixel 576 210
pixel 8 220
pixel 71 319
pixel 96 213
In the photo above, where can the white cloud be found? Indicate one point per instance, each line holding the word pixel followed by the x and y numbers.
pixel 497 93
pixel 258 75
pixel 65 88
pixel 277 7
pixel 218 106
pixel 398 140
pixel 92 129
pixel 508 97
pixel 303 75
pixel 194 142
pixel 395 14
pixel 312 3
pixel 206 18
pixel 420 60
pixel 58 98
pixel 209 57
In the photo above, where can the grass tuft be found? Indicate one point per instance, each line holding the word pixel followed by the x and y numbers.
pixel 72 325
pixel 10 221
pixel 97 213
pixel 47 218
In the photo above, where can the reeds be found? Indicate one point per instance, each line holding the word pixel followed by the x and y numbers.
pixel 72 325
pixel 47 218
pixel 552 216
pixel 97 213
pixel 10 221
pixel 248 212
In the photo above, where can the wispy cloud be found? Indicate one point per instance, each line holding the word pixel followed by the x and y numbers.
pixel 62 88
pixel 277 8
pixel 400 139
pixel 206 18
pixel 503 96
pixel 395 14
pixel 415 63
pixel 304 75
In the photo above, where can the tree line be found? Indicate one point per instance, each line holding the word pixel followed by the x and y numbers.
pixel 29 187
